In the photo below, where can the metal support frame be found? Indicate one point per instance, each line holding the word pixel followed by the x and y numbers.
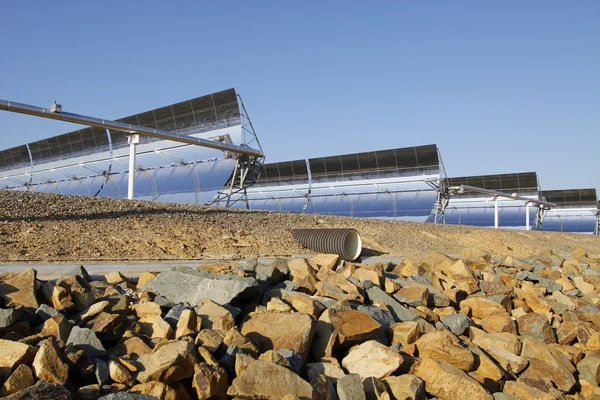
pixel 597 231
pixel 133 141
pixel 444 194
pixel 247 170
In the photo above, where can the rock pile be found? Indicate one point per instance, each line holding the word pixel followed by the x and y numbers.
pixel 471 327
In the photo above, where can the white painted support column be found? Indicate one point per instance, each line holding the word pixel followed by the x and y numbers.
pixel 496 216
pixel 527 225
pixel 133 141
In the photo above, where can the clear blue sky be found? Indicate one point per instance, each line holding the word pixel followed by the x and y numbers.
pixel 504 86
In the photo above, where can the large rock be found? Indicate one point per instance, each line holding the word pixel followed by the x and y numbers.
pixel 169 363
pixel 457 323
pixel 589 367
pixel 194 287
pixel 214 316
pixel 157 389
pixel 9 316
pixel 267 380
pixel 14 353
pixel 48 364
pixel 536 326
pixel 480 307
pixel 545 363
pixel 301 302
pixel 42 390
pixel 20 290
pixel 405 386
pixel 371 358
pixel 275 331
pixel 353 327
pixel 443 345
pixel 210 382
pixel 154 326
pixel 523 391
pixel 405 333
pixel 398 311
pixel 448 382
pixel 350 387
pixel 20 379
pixel 86 340
pixel 328 367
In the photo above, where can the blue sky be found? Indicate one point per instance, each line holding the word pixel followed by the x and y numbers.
pixel 500 87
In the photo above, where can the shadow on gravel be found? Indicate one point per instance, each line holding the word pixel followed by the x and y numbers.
pixel 367 252
pixel 111 215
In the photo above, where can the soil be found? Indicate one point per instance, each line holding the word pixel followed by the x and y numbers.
pixel 38 227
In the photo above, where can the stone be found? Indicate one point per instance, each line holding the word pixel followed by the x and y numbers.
pixel 127 396
pixel 210 339
pixel 589 368
pixel 20 290
pixel 147 308
pixel 499 323
pixel 448 382
pixel 371 358
pixel 336 279
pixel 353 327
pixel 234 338
pixel 9 316
pixel 323 388
pixel 443 345
pixel 210 382
pixel 329 367
pixel 405 386
pixel 108 327
pixel 523 391
pixel 214 316
pixel 144 278
pixel 154 326
pixel 328 261
pixel 14 353
pixel 536 326
pixel 79 271
pixel 157 389
pixel 48 364
pixel 82 295
pixel 194 287
pixel 278 305
pixel 114 278
pixel 301 302
pixel 174 313
pixel 94 310
pixel 480 307
pixel 350 387
pixel 21 378
pixel 119 373
pixel 42 390
pixel 486 372
pixel 133 345
pixel 101 371
pixel 373 273
pixel 405 333
pixel 266 380
pixel 583 286
pixel 543 363
pixel 457 323
pixel 169 363
pixel 187 324
pixel 412 296
pixel 398 311
pixel 86 340
pixel 275 331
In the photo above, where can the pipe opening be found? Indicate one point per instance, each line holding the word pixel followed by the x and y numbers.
pixel 352 245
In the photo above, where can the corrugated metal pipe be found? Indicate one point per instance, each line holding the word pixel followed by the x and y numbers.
pixel 344 242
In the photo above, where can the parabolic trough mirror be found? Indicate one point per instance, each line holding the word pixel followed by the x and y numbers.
pixel 94 161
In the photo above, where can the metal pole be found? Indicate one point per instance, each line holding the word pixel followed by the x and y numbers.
pixel 133 141
pixel 120 126
pixel 496 213
pixel 527 216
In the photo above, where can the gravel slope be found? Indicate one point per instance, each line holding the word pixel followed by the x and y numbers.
pixel 45 227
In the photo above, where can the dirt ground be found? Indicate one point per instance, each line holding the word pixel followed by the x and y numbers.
pixel 42 227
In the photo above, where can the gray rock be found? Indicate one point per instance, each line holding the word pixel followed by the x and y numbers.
pixel 102 374
pixel 550 285
pixel 128 396
pixel 350 387
pixel 174 313
pixel 326 302
pixel 574 292
pixel 522 275
pixel 420 279
pixel 294 358
pixel 86 340
pixel 384 318
pixel 398 311
pixel 42 390
pixel 77 271
pixel 457 323
pixel 164 303
pixel 193 287
pixel 45 312
pixel 286 285
pixel 9 316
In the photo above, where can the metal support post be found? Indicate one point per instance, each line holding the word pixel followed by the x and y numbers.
pixel 496 216
pixel 133 140
pixel 527 225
